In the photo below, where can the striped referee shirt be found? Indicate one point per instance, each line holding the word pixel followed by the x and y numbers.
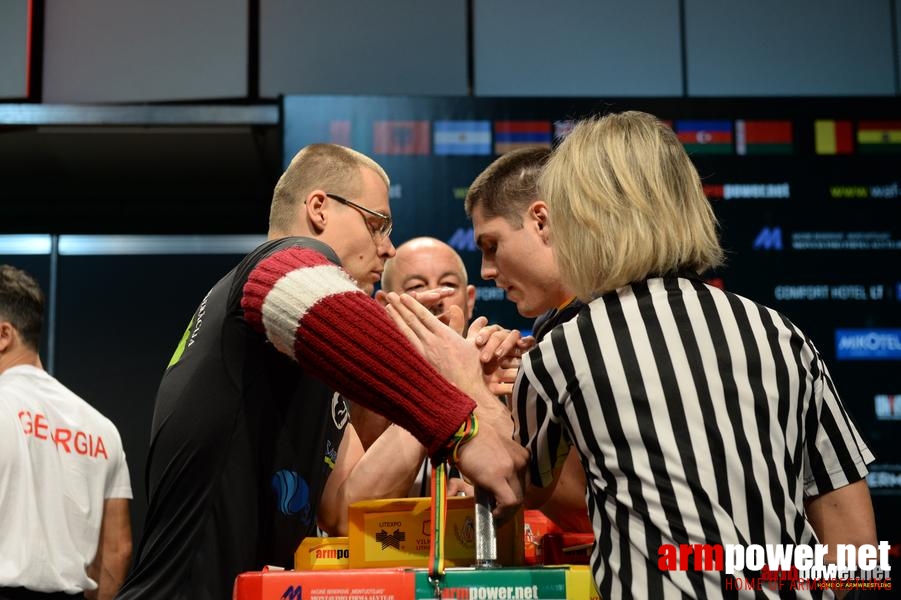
pixel 700 417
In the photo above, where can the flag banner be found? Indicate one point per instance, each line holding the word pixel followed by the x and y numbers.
pixel 462 137
pixel 401 137
pixel 879 136
pixel 339 132
pixel 511 135
pixel 833 137
pixel 705 137
pixel 763 137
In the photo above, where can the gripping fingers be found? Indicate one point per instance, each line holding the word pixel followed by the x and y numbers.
pixel 507 375
pixel 527 343
pixel 502 343
pixel 474 328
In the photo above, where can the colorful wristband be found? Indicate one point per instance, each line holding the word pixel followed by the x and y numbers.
pixel 466 432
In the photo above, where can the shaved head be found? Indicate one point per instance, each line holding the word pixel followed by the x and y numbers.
pixel 425 263
pixel 430 247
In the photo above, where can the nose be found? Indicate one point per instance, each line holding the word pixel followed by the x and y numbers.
pixel 386 248
pixel 488 271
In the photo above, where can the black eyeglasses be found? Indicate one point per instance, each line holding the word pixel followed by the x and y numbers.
pixel 378 232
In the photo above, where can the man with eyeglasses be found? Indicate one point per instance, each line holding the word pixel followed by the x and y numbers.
pixel 246 421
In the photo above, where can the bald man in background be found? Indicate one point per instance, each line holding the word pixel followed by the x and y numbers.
pixel 377 459
pixel 426 263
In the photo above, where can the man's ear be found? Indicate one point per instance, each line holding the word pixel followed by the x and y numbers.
pixel 314 211
pixel 538 212
pixel 7 335
pixel 470 301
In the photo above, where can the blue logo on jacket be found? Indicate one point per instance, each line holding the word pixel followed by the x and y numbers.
pixel 292 494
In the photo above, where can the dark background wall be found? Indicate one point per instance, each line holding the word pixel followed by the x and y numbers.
pixel 125 118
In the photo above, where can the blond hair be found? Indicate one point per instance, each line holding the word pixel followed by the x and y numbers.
pixel 625 204
pixel 332 168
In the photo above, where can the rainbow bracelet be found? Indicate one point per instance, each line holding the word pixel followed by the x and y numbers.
pixel 466 432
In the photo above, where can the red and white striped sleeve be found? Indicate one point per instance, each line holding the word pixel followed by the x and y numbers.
pixel 311 310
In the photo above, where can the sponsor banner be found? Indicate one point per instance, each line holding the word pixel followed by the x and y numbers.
pixel 549 583
pixel 844 240
pixel 462 137
pixel 462 240
pixel 889 191
pixel 739 191
pixel 772 238
pixel 705 137
pixel 769 238
pixel 784 566
pixel 459 193
pixel 868 344
pixel 884 478
pixel 841 292
pixel 833 137
pixel 763 137
pixel 490 294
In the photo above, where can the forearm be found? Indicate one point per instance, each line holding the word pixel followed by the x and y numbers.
pixel 388 468
pixel 113 557
pixel 311 310
pixel 368 424
pixel 109 575
pixel 566 506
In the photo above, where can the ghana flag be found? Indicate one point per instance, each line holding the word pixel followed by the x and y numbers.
pixel 879 136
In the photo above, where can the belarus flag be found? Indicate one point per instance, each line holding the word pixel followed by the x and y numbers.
pixel 705 137
pixel 763 137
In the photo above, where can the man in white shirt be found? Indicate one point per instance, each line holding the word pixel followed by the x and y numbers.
pixel 64 483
